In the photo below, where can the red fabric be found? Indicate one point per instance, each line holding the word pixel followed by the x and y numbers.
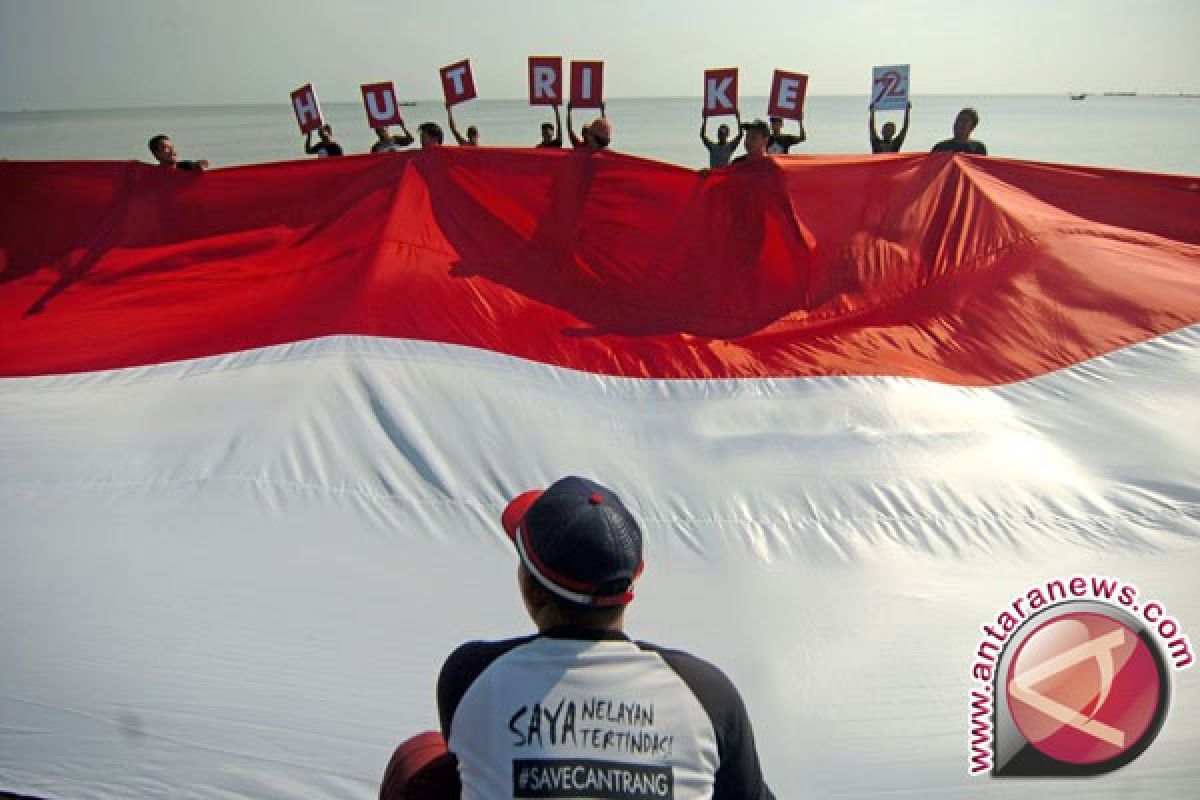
pixel 963 270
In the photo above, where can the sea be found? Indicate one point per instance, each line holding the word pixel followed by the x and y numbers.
pixel 1151 133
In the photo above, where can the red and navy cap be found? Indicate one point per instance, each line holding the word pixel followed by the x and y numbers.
pixel 578 541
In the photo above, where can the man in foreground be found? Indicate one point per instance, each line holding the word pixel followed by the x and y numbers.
pixel 163 150
pixel 964 124
pixel 579 709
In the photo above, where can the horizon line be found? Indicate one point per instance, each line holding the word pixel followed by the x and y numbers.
pixel 441 102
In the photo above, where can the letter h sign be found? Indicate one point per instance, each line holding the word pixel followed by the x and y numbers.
pixel 308 112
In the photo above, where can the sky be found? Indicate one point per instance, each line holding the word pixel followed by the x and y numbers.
pixel 62 54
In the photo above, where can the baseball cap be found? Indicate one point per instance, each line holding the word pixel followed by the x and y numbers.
pixel 577 539
pixel 757 125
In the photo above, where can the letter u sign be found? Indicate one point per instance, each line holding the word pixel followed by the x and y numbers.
pixel 379 101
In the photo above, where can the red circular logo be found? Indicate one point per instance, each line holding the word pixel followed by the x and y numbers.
pixel 1083 688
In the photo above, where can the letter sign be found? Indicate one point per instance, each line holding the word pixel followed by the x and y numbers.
pixel 787 95
pixel 889 87
pixel 457 82
pixel 720 92
pixel 545 81
pixel 587 84
pixel 308 111
pixel 379 100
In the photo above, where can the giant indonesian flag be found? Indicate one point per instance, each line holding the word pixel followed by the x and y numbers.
pixel 257 426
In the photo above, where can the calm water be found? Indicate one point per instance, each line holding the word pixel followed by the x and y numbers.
pixel 1157 134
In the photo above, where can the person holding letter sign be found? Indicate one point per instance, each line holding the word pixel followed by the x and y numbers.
pixel 472 137
pixel 720 151
pixel 545 89
pixel 552 132
pixel 890 143
pixel 326 147
pixel 780 143
pixel 720 98
pixel 387 143
pixel 787 100
pixel 596 135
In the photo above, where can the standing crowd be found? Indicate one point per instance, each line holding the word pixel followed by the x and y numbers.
pixel 761 138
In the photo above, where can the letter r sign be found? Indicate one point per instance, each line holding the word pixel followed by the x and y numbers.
pixel 545 81
pixel 787 95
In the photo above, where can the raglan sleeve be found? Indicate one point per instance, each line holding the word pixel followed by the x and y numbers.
pixel 739 775
pixel 458 672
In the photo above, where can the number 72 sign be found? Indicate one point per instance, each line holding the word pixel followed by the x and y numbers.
pixel 889 87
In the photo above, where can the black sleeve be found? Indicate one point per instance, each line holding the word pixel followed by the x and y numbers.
pixel 335 149
pixel 461 669
pixel 189 166
pixel 739 776
pixel 403 140
pixel 940 147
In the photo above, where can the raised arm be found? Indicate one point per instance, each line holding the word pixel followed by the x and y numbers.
pixel 458 137
pixel 557 125
pixel 803 135
pixel 308 145
pixel 575 140
pixel 875 140
pixel 904 130
pixel 704 131
pixel 738 139
pixel 406 139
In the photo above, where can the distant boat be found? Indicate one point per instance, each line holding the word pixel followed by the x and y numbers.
pixel 408 102
pixel 1078 96
pixel 1120 94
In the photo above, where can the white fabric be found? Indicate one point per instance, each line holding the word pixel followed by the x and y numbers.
pixel 237 577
